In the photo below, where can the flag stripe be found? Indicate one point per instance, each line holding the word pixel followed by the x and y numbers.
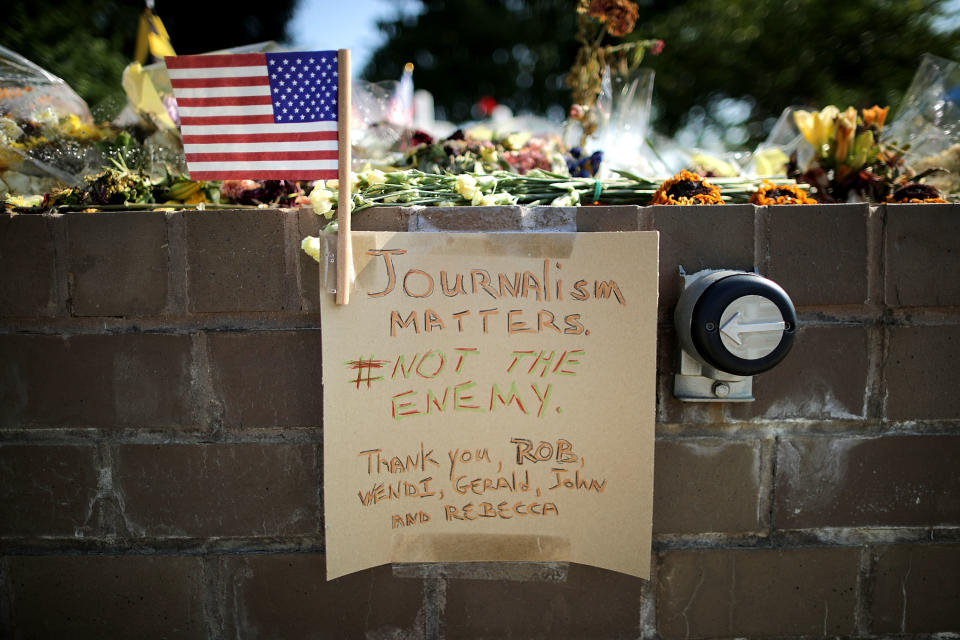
pixel 269 165
pixel 255 128
pixel 257 157
pixel 199 121
pixel 214 60
pixel 213 92
pixel 188 83
pixel 218 72
pixel 223 101
pixel 287 174
pixel 259 137
pixel 228 110
pixel 238 147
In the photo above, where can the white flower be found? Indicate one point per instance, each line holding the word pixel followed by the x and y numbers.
pixel 467 186
pixel 322 201
pixel 311 246
pixel 494 200
pixel 569 199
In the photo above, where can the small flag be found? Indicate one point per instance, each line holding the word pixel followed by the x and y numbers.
pixel 258 115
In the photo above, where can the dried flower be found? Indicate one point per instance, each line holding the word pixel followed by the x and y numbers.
pixel 233 189
pixel 687 188
pixel 619 15
pixel 770 193
pixel 916 193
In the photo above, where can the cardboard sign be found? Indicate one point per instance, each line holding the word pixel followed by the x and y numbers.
pixel 490 397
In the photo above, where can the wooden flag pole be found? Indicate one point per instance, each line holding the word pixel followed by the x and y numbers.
pixel 344 243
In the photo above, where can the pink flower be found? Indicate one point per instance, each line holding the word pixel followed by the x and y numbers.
pixel 657 48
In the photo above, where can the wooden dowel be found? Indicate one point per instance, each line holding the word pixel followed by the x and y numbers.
pixel 344 243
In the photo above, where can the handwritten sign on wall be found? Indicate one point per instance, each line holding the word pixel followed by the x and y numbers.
pixel 490 397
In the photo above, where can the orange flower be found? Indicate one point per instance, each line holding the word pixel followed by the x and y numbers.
pixel 846 128
pixel 874 116
pixel 687 188
pixel 770 193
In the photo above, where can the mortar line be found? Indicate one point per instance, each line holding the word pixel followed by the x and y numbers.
pixel 774 455
pixel 862 617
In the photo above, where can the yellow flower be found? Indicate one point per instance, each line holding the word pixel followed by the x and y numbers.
pixel 467 186
pixel 489 155
pixel 311 246
pixel 322 201
pixel 817 127
pixel 196 198
pixel 846 128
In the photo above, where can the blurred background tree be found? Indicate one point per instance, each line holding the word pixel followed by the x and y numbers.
pixel 728 70
pixel 89 42
pixel 512 51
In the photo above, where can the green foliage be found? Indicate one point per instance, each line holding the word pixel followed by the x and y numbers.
pixel 761 56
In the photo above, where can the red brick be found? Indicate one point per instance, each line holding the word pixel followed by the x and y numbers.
pixel 922 246
pixel 106 381
pixel 915 589
pixel 235 260
pixel 45 490
pixel 268 378
pixel 848 482
pixel 744 593
pixel 921 365
pixel 697 238
pixel 240 490
pixel 28 266
pixel 590 603
pixel 118 263
pixel 288 596
pixel 706 485
pixel 823 377
pixel 818 253
pixel 106 597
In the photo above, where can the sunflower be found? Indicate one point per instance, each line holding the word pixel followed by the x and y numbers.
pixel 917 193
pixel 770 193
pixel 687 188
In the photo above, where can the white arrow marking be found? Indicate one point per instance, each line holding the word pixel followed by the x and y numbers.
pixel 733 329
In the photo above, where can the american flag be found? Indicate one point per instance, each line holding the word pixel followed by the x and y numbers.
pixel 258 115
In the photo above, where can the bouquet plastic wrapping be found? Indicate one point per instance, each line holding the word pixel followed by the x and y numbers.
pixel 46 129
pixel 927 123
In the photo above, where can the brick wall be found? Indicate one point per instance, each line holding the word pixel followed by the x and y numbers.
pixel 160 449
